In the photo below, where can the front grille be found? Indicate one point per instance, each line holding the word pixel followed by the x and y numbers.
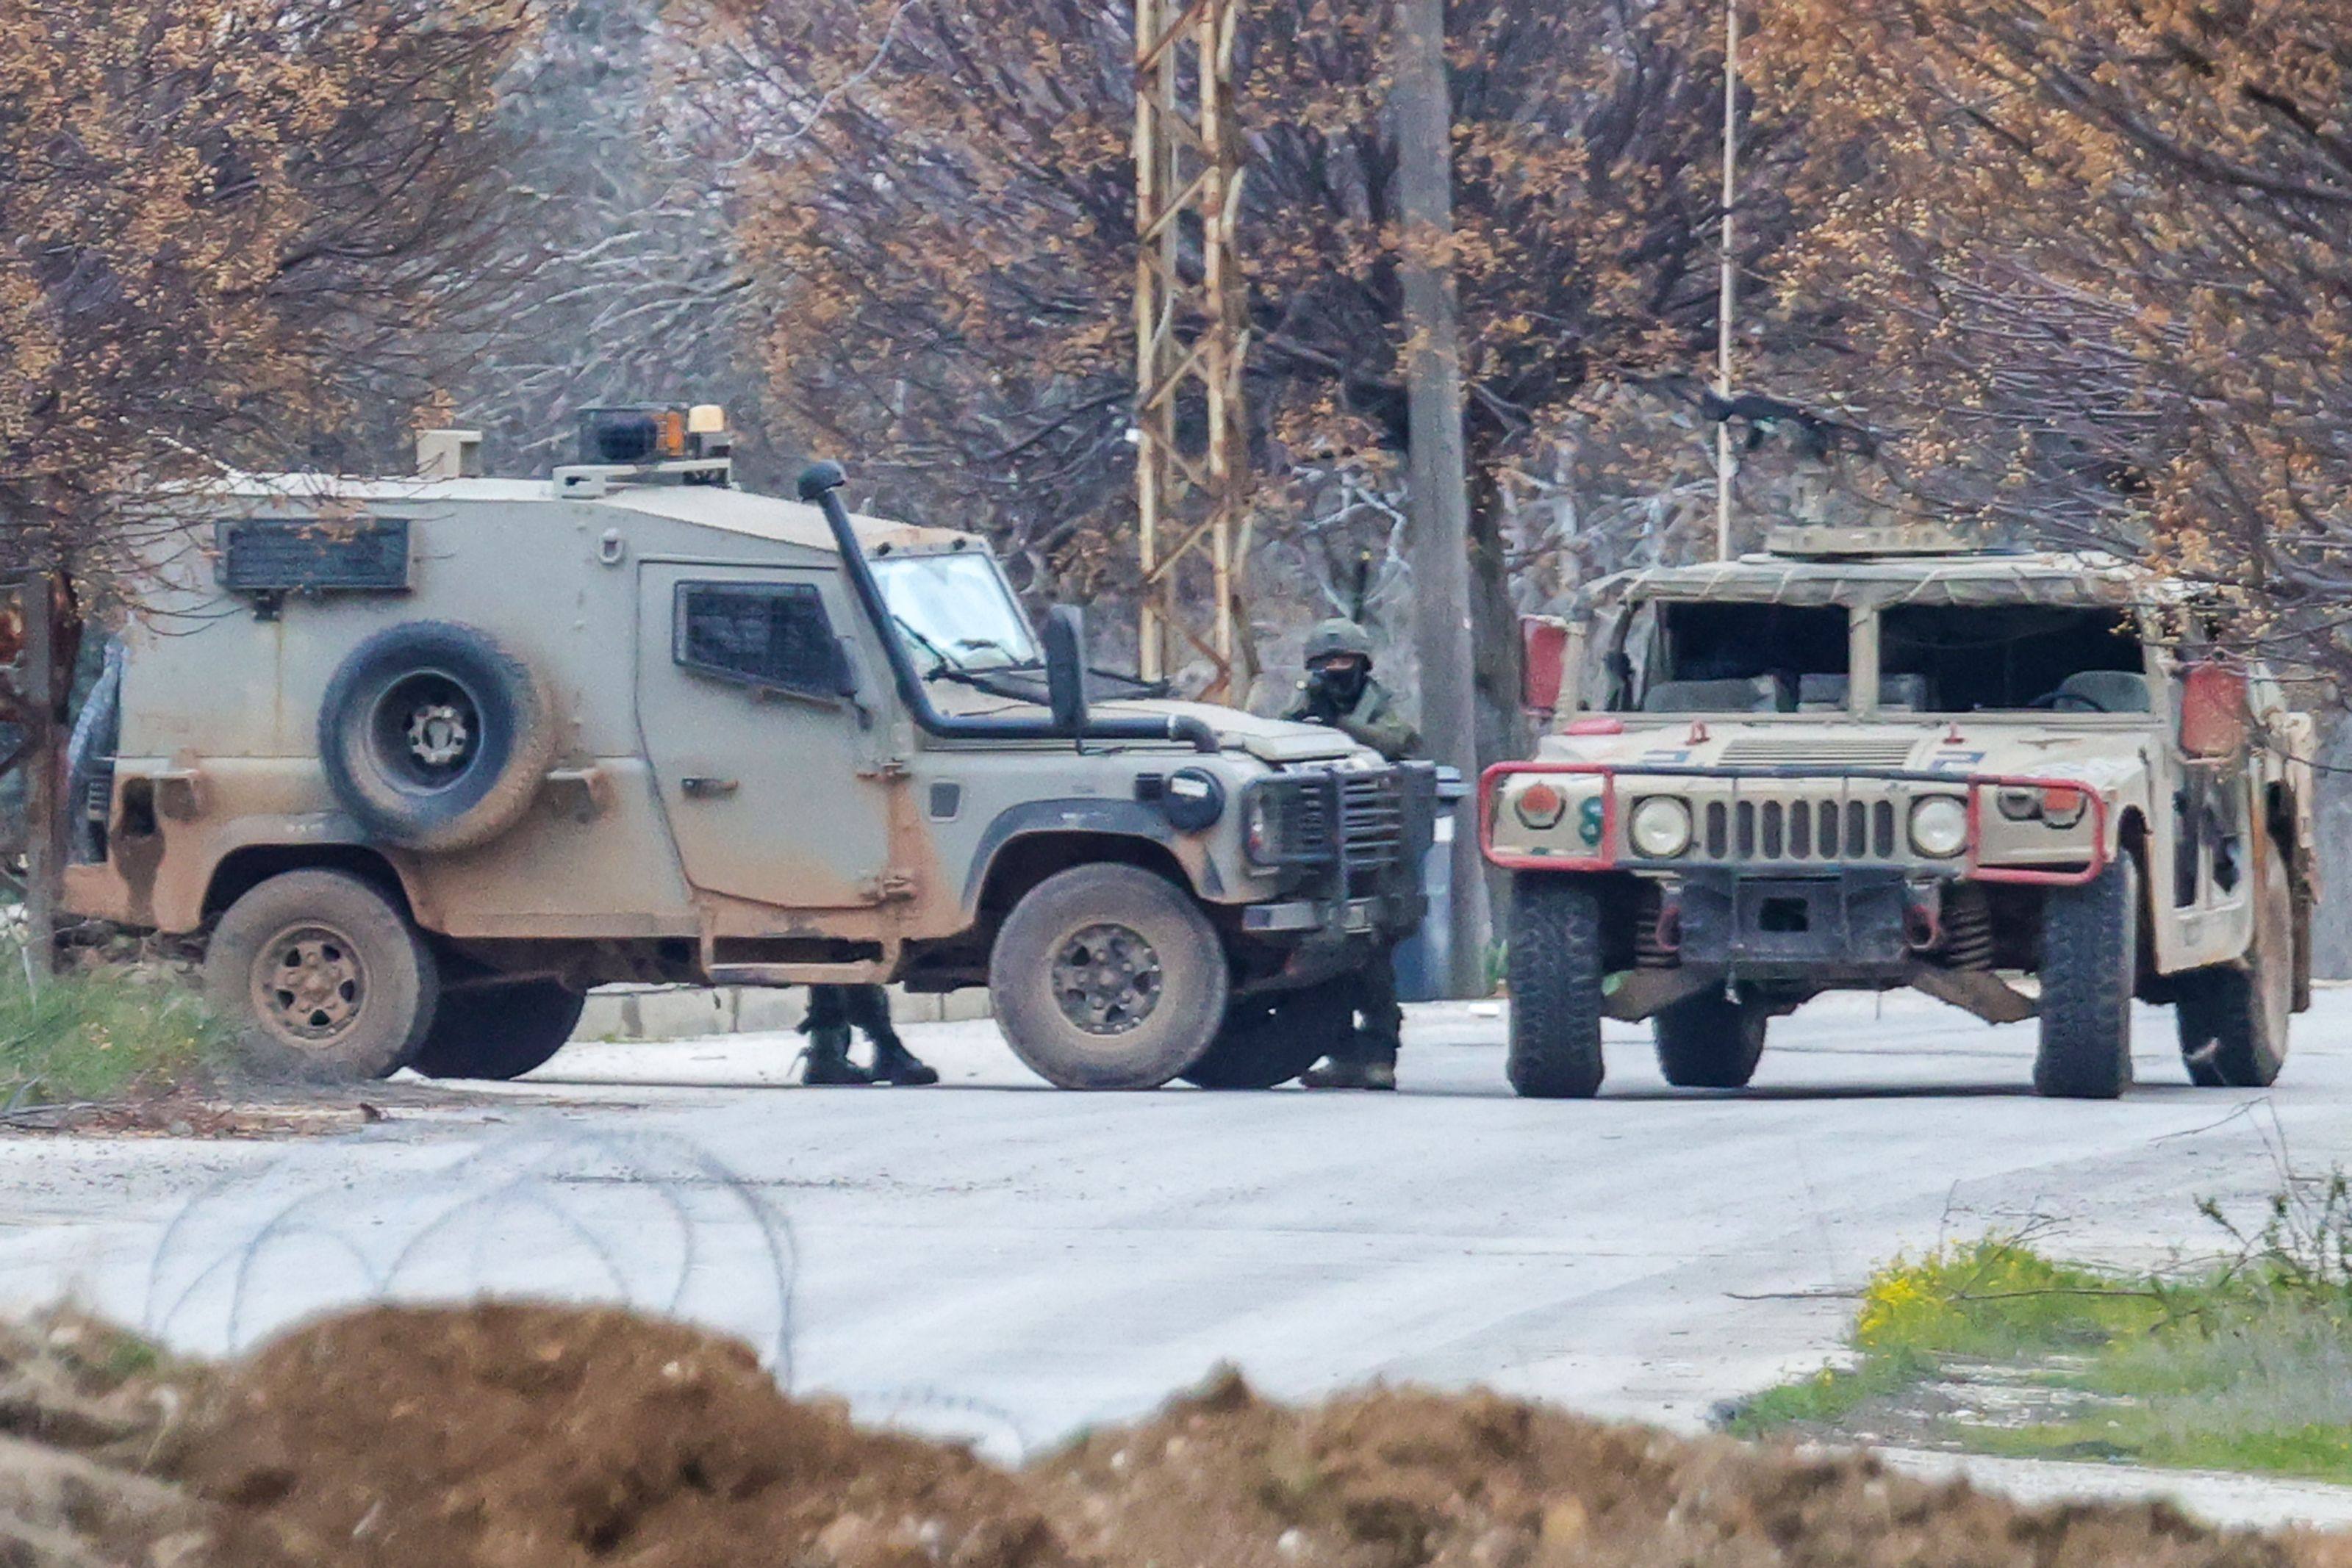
pixel 1371 810
pixel 1369 821
pixel 1819 751
pixel 1810 832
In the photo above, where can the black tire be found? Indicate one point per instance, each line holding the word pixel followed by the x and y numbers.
pixel 1708 1041
pixel 499 1032
pixel 434 736
pixel 2090 954
pixel 1271 1040
pixel 323 979
pixel 2233 1021
pixel 89 761
pixel 1555 978
pixel 1106 976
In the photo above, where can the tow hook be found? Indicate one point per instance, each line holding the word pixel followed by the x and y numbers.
pixel 1923 918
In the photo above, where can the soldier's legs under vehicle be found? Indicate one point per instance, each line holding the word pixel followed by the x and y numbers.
pixel 869 1009
pixel 1367 1060
pixel 827 1029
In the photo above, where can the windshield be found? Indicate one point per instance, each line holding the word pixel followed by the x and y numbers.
pixel 1672 656
pixel 1716 657
pixel 957 608
pixel 1994 657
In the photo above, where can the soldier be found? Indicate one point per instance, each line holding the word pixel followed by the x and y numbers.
pixel 832 1010
pixel 1339 690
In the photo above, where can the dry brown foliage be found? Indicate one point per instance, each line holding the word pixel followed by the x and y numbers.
pixel 2091 259
pixel 223 224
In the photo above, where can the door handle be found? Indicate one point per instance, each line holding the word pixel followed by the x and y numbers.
pixel 698 787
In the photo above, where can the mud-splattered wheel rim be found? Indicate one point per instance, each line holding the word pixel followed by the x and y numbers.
pixel 429 730
pixel 308 984
pixel 1108 979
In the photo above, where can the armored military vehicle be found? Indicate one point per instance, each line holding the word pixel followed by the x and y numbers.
pixel 424 760
pixel 2027 784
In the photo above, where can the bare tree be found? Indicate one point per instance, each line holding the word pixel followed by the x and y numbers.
pixel 940 210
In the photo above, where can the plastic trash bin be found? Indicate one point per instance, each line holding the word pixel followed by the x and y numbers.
pixel 1424 958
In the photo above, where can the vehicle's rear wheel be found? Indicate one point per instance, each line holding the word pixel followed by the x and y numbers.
pixel 2235 1020
pixel 323 978
pixel 1710 1041
pixel 1106 976
pixel 498 1032
pixel 2090 950
pixel 1555 970
pixel 1271 1040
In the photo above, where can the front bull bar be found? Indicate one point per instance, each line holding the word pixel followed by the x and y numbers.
pixel 1972 866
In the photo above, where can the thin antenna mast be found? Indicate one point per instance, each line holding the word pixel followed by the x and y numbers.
pixel 1729 296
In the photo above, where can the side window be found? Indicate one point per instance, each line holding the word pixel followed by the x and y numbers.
pixel 773 635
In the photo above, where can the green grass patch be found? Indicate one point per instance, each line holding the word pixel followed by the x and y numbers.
pixel 2243 1364
pixel 99 1034
pixel 1827 1398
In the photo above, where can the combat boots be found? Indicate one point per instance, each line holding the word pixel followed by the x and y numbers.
pixel 828 1059
pixel 894 1064
pixel 1365 1064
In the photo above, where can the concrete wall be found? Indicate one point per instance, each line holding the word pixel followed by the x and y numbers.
pixel 659 1012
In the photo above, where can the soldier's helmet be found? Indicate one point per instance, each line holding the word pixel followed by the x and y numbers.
pixel 1335 636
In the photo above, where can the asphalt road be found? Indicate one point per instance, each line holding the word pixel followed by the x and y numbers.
pixel 995 1257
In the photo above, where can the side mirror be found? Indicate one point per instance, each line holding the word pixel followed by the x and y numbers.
pixel 1543 663
pixel 1066 668
pixel 2214 718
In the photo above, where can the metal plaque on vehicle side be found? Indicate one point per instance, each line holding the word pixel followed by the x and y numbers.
pixel 313 555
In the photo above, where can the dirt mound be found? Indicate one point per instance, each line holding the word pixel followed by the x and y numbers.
pixel 1388 1479
pixel 84 1409
pixel 527 1437
pixel 532 1437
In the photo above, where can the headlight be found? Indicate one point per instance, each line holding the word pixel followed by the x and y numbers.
pixel 1259 835
pixel 1939 826
pixel 1191 798
pixel 1660 828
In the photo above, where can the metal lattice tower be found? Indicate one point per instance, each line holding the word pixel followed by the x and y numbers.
pixel 1191 334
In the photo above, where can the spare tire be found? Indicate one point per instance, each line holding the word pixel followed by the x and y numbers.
pixel 434 736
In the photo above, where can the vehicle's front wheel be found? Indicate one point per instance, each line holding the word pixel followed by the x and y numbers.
pixel 1271 1040
pixel 323 978
pixel 1555 969
pixel 1710 1041
pixel 1106 976
pixel 2090 951
pixel 500 1031
pixel 2233 1021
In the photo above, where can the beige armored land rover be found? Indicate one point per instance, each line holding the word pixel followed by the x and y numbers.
pixel 2026 784
pixel 426 759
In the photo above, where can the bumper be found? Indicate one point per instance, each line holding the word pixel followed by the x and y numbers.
pixel 1877 836
pixel 1857 923
pixel 1353 917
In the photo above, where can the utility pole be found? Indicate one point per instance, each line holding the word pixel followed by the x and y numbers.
pixel 1192 330
pixel 1438 531
pixel 1728 296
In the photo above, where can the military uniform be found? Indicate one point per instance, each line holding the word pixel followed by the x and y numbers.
pixel 832 1010
pixel 1350 701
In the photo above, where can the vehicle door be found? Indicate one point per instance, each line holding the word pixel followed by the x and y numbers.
pixel 765 761
pixel 2212 821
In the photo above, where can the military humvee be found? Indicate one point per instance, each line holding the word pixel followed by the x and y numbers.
pixel 426 758
pixel 1872 758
